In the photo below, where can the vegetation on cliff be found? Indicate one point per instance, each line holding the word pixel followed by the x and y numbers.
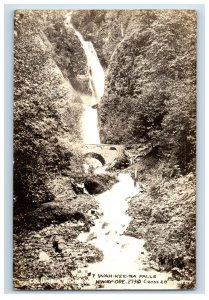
pixel 150 88
pixel 47 113
pixel 48 214
pixel 149 104
pixel 150 62
pixel 164 215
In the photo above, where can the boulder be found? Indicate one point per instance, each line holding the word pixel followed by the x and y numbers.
pixel 99 183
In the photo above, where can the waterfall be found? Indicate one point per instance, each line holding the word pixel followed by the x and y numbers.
pixel 123 254
pixel 96 83
pixel 89 126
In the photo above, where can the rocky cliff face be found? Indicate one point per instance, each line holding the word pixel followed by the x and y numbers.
pixel 47 112
pixel 69 55
pixel 150 87
pixel 149 58
pixel 150 81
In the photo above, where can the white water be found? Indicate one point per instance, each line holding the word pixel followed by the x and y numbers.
pixel 96 83
pixel 89 126
pixel 123 255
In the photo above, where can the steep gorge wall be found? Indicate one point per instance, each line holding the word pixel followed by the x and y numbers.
pixel 150 88
pixel 107 28
pixel 149 57
pixel 47 112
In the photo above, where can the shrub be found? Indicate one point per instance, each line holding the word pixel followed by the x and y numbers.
pixel 47 111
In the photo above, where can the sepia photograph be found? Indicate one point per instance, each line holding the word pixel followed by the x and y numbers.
pixel 104 145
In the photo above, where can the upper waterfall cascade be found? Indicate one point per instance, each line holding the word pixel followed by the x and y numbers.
pixel 96 83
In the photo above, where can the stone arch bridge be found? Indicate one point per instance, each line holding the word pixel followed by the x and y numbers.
pixel 105 153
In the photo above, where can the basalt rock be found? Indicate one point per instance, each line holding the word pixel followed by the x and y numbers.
pixel 97 184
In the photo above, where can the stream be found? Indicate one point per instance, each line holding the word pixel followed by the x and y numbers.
pixel 125 263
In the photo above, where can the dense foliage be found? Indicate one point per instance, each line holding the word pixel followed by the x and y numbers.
pixel 150 57
pixel 164 215
pixel 150 87
pixel 149 104
pixel 68 52
pixel 46 115
pixel 106 28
